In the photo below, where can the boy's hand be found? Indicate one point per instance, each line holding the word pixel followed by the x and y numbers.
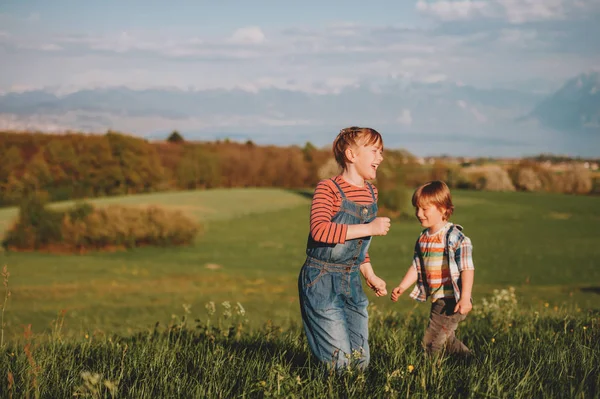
pixel 380 226
pixel 396 292
pixel 377 285
pixel 463 306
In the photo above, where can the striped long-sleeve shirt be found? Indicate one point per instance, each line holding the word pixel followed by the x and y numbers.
pixel 326 203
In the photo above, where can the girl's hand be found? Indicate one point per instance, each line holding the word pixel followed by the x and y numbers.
pixel 377 285
pixel 380 226
pixel 396 293
pixel 463 306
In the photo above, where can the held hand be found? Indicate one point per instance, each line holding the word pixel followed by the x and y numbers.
pixel 463 306
pixel 377 285
pixel 396 293
pixel 380 226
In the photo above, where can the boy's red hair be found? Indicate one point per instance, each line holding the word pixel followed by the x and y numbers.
pixel 434 193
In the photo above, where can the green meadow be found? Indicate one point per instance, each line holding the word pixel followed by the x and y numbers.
pixel 98 312
pixel 252 247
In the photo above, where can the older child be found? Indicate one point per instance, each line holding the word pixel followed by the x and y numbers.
pixel 342 221
pixel 442 267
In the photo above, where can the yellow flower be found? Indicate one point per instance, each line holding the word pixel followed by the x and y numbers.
pixel 546 304
pixel 585 327
pixel 86 336
pixel 493 339
pixel 410 368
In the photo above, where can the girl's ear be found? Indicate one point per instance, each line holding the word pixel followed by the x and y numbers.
pixel 350 153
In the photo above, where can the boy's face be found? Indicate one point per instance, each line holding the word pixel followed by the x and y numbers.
pixel 367 159
pixel 431 216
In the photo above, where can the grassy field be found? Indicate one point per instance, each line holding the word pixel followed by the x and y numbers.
pixel 253 246
pixel 545 246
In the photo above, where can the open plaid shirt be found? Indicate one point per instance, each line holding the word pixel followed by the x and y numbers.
pixel 459 251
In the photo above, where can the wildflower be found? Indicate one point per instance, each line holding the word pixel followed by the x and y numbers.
pixel 410 368
pixel 493 340
pixel 227 311
pixel 187 307
pixel 585 327
pixel 87 336
pixel 546 304
pixel 210 307
pixel 240 309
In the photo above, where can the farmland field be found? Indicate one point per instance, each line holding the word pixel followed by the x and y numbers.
pixel 545 246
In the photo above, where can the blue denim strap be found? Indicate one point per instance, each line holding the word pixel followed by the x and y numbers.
pixel 372 192
pixel 339 188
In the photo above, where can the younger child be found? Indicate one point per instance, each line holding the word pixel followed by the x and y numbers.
pixel 342 221
pixel 442 267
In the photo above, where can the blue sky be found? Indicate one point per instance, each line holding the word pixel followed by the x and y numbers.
pixel 317 48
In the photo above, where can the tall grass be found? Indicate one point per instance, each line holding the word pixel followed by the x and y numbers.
pixel 551 354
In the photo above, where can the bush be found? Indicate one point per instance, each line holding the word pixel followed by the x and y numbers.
pixel 527 179
pixel 329 169
pixel 83 227
pixel 128 227
pixel 489 178
pixel 37 225
pixel 577 180
pixel 396 200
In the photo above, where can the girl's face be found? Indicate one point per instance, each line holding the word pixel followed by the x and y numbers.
pixel 367 159
pixel 431 217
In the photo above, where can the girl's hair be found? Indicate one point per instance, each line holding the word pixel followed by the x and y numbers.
pixel 352 136
pixel 434 193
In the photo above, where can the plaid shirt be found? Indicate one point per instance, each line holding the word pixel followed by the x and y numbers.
pixel 459 251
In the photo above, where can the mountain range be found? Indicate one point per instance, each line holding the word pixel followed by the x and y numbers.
pixel 421 115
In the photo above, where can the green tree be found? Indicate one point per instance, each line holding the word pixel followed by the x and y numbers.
pixel 175 137
pixel 197 168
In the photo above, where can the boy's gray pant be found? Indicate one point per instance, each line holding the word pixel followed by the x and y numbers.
pixel 440 333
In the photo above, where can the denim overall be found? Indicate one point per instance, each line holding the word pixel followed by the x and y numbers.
pixel 332 300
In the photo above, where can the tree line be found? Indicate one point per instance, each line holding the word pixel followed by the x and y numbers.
pixel 77 165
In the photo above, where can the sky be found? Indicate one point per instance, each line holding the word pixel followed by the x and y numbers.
pixel 315 48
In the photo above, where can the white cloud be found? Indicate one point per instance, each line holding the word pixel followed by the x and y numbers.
pixel 248 35
pixel 434 78
pixel 513 11
pixel 518 11
pixel 405 118
pixel 50 47
pixel 480 117
pixel 454 10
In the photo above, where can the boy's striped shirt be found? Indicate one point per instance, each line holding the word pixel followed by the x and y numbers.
pixel 326 203
pixel 460 251
pixel 437 269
